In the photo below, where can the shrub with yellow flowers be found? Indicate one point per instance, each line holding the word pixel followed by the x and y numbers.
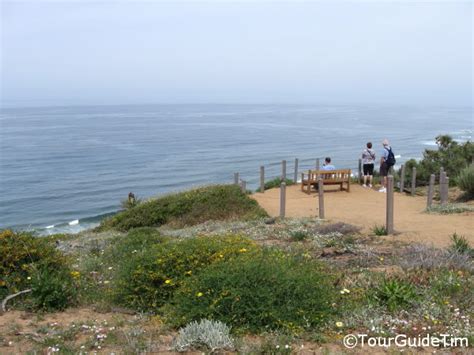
pixel 148 278
pixel 259 291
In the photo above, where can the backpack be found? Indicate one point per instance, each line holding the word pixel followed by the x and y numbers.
pixel 391 158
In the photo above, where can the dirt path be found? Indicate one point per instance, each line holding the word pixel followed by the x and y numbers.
pixel 366 208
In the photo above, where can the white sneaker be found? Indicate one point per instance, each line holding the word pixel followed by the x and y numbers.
pixel 364 185
pixel 383 189
pixel 370 185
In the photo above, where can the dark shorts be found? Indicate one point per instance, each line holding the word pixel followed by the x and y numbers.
pixel 384 169
pixel 368 169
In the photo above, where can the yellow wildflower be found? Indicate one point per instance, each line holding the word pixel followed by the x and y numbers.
pixel 189 272
pixel 339 324
pixel 199 294
pixel 168 281
pixel 75 274
pixel 243 250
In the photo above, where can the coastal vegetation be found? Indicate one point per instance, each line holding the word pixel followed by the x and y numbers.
pixel 275 183
pixel 450 155
pixel 208 270
pixel 219 202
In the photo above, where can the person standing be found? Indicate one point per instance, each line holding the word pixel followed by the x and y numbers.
pixel 368 160
pixel 387 160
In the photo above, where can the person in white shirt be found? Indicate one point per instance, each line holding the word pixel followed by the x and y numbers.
pixel 327 164
pixel 368 160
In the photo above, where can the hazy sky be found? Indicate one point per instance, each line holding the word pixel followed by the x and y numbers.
pixel 84 52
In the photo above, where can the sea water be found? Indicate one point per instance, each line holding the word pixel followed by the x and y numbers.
pixel 62 169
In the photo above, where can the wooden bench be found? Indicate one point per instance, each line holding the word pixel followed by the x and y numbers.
pixel 329 177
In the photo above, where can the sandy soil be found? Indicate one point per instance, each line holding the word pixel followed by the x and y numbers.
pixel 366 207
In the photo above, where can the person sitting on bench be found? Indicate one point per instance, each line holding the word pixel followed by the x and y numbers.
pixel 327 164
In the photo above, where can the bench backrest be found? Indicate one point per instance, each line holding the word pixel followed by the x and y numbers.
pixel 339 174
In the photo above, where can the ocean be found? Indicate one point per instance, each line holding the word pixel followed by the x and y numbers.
pixel 62 169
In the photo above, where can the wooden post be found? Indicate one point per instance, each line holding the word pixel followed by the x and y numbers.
pixel 413 181
pixel 443 189
pixel 236 178
pixel 309 182
pixel 429 201
pixel 317 164
pixel 360 171
pixel 283 170
pixel 321 198
pixel 282 199
pixel 402 178
pixel 389 217
pixel 243 186
pixel 296 170
pixel 262 179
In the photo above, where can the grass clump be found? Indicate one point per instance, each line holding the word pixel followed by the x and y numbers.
pixel 460 245
pixel 258 292
pixel 276 183
pixel 148 278
pixel 379 230
pixel 299 236
pixel 395 294
pixel 220 202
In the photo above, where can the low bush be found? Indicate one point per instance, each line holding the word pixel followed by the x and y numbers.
pixel 220 202
pixel 395 294
pixel 148 278
pixel 136 240
pixel 450 208
pixel 20 255
pixel 419 256
pixel 465 180
pixel 276 183
pixel 257 292
pixel 207 334
pixel 52 289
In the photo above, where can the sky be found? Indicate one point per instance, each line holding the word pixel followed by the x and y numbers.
pixel 132 52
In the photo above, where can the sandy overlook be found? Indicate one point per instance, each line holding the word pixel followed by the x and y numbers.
pixel 366 207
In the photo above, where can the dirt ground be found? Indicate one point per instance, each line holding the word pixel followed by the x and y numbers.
pixel 365 207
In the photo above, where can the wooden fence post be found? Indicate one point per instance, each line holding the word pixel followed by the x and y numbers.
pixel 321 198
pixel 389 217
pixel 442 189
pixel 360 171
pixel 309 178
pixel 282 199
pixel 243 186
pixel 413 181
pixel 283 170
pixel 262 179
pixel 402 178
pixel 429 201
pixel 236 178
pixel 317 164
pixel 296 170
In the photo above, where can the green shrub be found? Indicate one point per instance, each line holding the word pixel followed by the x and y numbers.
pixel 450 155
pixel 20 254
pixel 136 240
pixel 52 289
pixel 276 183
pixel 257 292
pixel 465 180
pixel 379 230
pixel 394 294
pixel 220 202
pixel 147 279
pixel 299 236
